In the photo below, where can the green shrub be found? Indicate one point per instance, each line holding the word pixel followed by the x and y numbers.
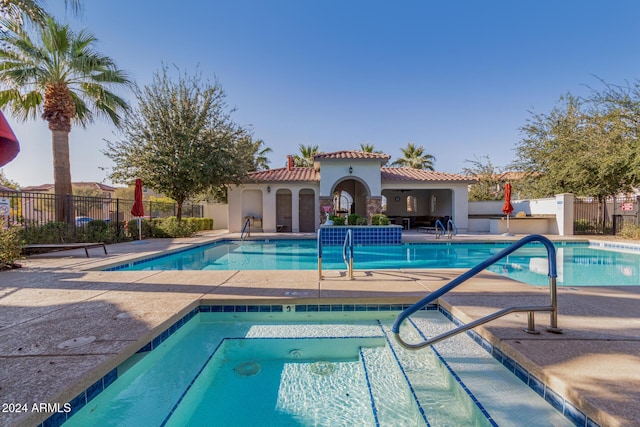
pixel 52 232
pixel 171 227
pixel 337 220
pixel 200 224
pixel 630 231
pixel 583 226
pixel 353 219
pixel 10 247
pixel 132 227
pixel 379 219
pixel 362 221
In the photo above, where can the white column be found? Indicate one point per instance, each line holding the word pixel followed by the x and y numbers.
pixel 295 210
pixel 564 214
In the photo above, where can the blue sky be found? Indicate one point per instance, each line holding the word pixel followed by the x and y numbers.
pixel 457 77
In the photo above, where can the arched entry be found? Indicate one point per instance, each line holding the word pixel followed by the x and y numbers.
pixel 350 196
pixel 251 204
pixel 283 210
pixel 306 211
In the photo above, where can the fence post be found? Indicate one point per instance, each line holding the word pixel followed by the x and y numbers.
pixel 118 218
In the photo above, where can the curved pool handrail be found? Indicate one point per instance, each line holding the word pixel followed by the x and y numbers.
pixel 453 228
pixel 553 307
pixel 439 224
pixel 347 252
pixel 247 223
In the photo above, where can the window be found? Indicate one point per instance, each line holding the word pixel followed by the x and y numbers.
pixel 383 206
pixel 412 204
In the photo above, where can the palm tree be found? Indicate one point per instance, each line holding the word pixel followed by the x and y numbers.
pixel 305 158
pixel 415 157
pixel 60 75
pixel 32 9
pixel 260 155
pixel 369 148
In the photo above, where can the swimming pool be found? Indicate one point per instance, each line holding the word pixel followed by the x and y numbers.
pixel 306 368
pixel 579 264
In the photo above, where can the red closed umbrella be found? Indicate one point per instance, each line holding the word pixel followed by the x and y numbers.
pixel 9 147
pixel 138 208
pixel 507 208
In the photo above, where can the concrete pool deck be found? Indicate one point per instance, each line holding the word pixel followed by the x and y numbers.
pixel 58 297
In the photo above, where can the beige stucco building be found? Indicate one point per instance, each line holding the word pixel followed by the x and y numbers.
pixel 298 199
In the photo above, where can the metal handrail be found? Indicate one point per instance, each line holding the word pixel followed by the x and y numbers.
pixel 453 228
pixel 552 308
pixel 348 244
pixel 247 223
pixel 319 254
pixel 438 222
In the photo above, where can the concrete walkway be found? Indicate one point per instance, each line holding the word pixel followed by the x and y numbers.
pixel 61 297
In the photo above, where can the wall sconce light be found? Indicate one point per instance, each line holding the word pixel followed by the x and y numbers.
pixel 350 170
pixel 268 189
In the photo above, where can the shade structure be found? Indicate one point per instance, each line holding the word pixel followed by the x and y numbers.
pixel 138 208
pixel 507 208
pixel 9 146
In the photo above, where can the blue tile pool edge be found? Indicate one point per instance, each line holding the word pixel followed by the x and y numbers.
pixel 127 264
pixel 572 413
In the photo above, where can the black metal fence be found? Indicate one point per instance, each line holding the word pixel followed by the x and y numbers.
pixel 32 210
pixel 605 216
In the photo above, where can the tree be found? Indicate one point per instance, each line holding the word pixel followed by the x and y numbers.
pixel 180 139
pixel 585 147
pixel 369 148
pixel 6 182
pixel 261 162
pixel 305 158
pixel 415 157
pixel 489 184
pixel 32 9
pixel 58 73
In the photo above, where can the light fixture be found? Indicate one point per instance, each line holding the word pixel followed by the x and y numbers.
pixel 350 170
pixel 268 189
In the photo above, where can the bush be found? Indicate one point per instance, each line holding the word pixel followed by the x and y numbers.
pixel 132 226
pixel 10 247
pixel 379 219
pixel 630 231
pixel 171 227
pixel 362 221
pixel 52 232
pixel 337 220
pixel 200 224
pixel 583 226
pixel 353 219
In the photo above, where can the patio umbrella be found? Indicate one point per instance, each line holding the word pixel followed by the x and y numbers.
pixel 507 208
pixel 9 147
pixel 138 209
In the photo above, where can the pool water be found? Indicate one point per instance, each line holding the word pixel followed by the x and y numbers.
pixel 578 263
pixel 315 369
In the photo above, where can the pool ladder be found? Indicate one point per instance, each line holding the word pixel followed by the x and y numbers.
pixel 347 253
pixel 450 229
pixel 247 228
pixel 552 308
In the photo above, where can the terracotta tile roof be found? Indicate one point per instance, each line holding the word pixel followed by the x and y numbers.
pixel 47 187
pixel 43 187
pixel 419 175
pixel 352 154
pixel 296 174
